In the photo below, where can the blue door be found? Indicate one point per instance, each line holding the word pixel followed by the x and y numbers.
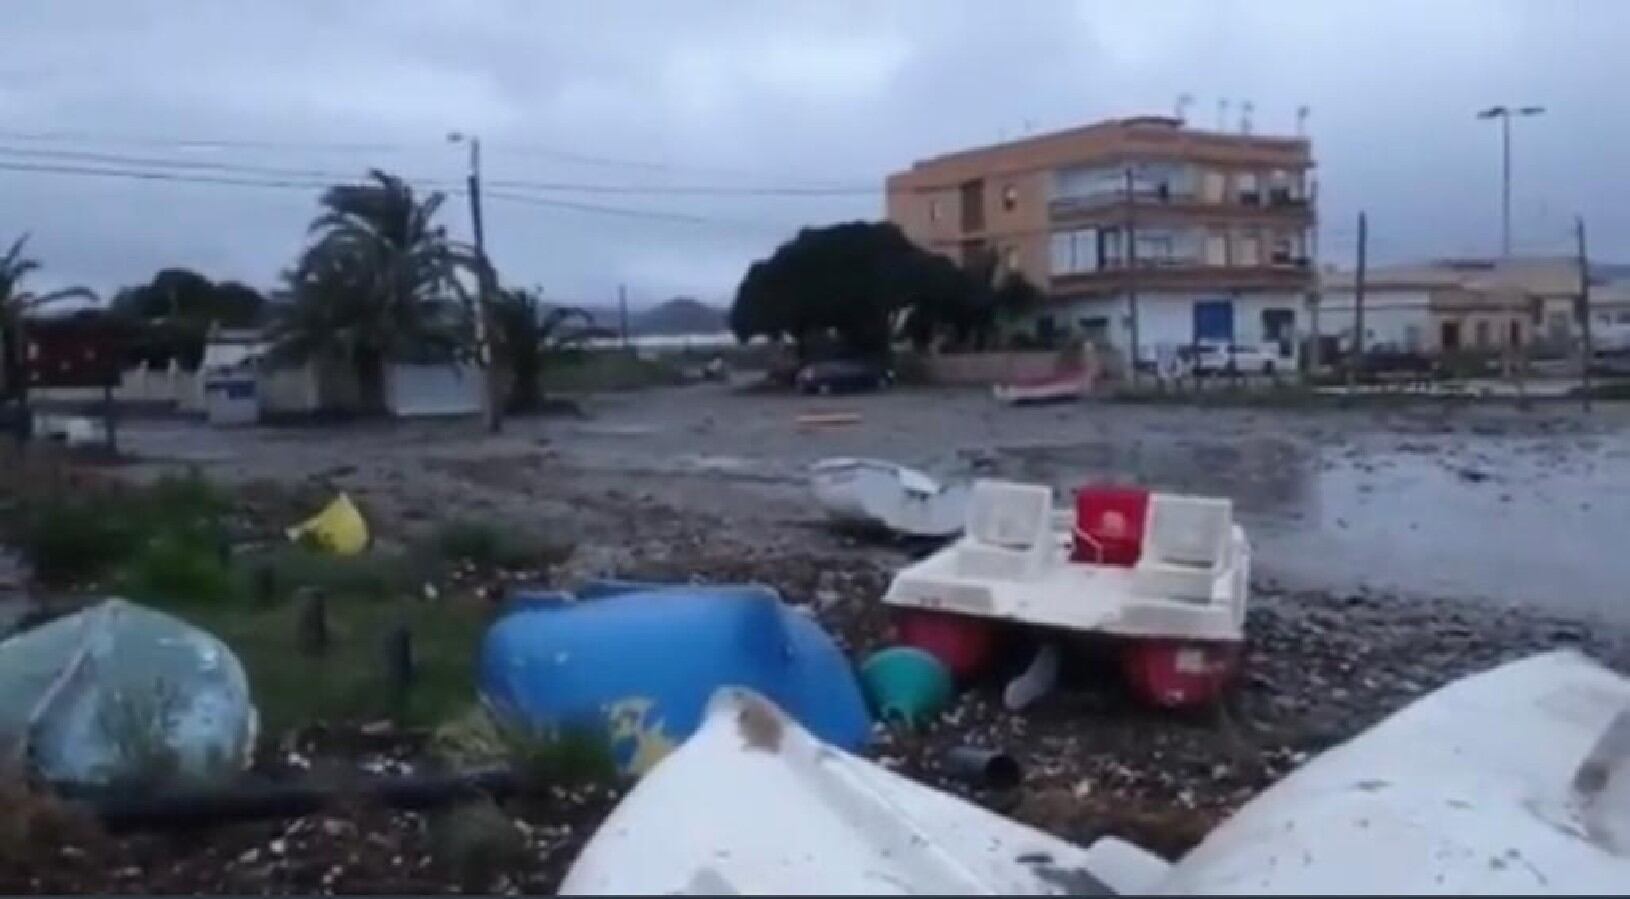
pixel 1214 321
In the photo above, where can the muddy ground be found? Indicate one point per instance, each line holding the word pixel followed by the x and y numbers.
pixel 1396 549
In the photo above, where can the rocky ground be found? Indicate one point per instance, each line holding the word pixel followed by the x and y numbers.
pixel 1322 665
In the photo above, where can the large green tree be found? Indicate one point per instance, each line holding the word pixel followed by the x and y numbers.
pixel 866 283
pixel 378 283
pixel 17 303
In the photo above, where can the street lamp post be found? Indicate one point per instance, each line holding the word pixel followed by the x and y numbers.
pixel 483 345
pixel 1504 114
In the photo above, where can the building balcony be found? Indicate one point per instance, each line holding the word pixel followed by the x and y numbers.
pixel 1185 275
pixel 1154 206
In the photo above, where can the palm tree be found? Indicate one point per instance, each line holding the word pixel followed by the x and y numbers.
pixel 377 284
pixel 526 333
pixel 16 304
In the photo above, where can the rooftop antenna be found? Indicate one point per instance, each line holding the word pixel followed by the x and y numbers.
pixel 1301 120
pixel 1184 101
pixel 1245 110
pixel 1222 113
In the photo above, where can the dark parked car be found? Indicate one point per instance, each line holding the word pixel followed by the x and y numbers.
pixel 843 376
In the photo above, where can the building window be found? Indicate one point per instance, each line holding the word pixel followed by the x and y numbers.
pixel 1480 335
pixel 972 194
pixel 934 210
pixel 1412 338
pixel 1250 248
pixel 1246 188
pixel 1449 337
pixel 1074 252
pixel 1284 250
pixel 1279 188
pixel 1010 198
pixel 1514 333
pixel 1215 186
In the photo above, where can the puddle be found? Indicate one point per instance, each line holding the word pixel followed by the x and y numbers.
pixel 1520 520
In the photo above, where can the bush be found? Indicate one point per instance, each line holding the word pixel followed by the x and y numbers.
pixel 69 541
pixel 569 758
pixel 486 545
pixel 171 568
pixel 82 536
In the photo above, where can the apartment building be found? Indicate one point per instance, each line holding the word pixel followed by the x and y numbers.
pixel 1209 231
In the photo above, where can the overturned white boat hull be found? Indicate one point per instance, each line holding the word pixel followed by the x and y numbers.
pixel 1475 788
pixel 875 493
pixel 1516 780
pixel 752 804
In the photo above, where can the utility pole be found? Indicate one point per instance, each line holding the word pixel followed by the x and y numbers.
pixel 622 314
pixel 485 357
pixel 1131 259
pixel 1504 114
pixel 1357 360
pixel 1315 296
pixel 1588 356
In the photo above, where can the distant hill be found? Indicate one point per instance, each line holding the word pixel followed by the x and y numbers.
pixel 681 315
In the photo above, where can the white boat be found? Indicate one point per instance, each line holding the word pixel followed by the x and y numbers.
pixel 752 804
pixel 1515 780
pixel 1058 388
pixel 875 493
pixel 1014 563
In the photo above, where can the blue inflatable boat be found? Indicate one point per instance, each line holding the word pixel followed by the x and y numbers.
pixel 641 661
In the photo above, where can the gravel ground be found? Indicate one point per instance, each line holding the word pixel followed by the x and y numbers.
pixel 711 489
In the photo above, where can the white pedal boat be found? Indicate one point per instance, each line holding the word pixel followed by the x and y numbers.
pixel 875 493
pixel 1059 388
pixel 1013 563
pixel 1515 780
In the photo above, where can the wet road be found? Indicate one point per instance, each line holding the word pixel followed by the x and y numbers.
pixel 1488 502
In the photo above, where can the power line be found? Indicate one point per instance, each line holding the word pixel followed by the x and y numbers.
pixel 689 190
pixel 318 185
pixel 181 164
pixel 516 148
pixel 560 186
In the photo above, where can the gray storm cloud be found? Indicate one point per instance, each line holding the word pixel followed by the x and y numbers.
pixel 637 94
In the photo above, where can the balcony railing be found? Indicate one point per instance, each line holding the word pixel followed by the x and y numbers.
pixel 1248 201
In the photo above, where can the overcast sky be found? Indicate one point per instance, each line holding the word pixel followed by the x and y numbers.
pixel 772 93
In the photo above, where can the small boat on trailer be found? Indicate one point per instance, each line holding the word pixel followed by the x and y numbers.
pixel 1060 387
pixel 1165 574
pixel 878 494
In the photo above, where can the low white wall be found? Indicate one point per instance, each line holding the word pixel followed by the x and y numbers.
pixel 413 391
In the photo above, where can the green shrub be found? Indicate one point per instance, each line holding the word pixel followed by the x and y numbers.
pixel 486 545
pixel 173 569
pixel 84 536
pixel 571 757
pixel 75 540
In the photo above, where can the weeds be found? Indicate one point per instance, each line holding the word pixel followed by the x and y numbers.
pixel 170 568
pixel 77 540
pixel 569 757
pixel 484 545
pixel 82 534
pixel 279 572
